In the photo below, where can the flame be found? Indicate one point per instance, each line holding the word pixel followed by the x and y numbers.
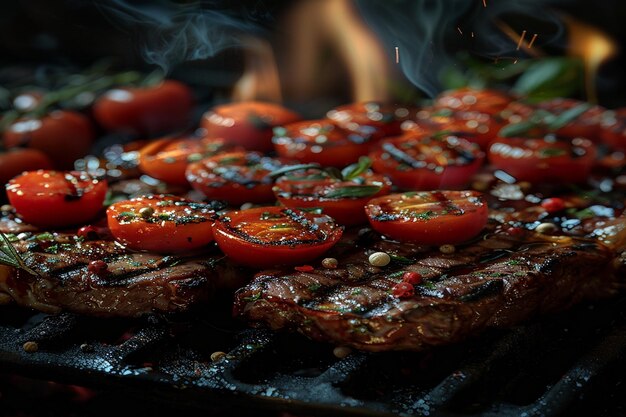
pixel 593 46
pixel 260 80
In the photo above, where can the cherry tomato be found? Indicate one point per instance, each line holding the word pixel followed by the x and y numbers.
pixel 370 119
pixel 468 99
pixel 613 129
pixel 587 125
pixel 476 127
pixel 161 108
pixel 320 141
pixel 247 124
pixel 236 177
pixel 343 200
pixel 17 160
pixel 544 160
pixel 56 199
pixel 429 217
pixel 63 135
pixel 162 224
pixel 427 163
pixel 167 159
pixel 271 236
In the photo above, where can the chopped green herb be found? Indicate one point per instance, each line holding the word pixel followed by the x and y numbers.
pixel 551 152
pixel 314 287
pixel 253 297
pixel 52 249
pixel 44 236
pixel 400 259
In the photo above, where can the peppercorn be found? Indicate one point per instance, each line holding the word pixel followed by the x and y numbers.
pixel 342 352
pixel 30 347
pixel 412 278
pixel 146 212
pixel 216 356
pixel 330 263
pixel 98 267
pixel 379 259
pixel 447 249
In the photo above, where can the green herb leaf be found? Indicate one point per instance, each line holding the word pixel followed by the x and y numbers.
pixel 355 191
pixel 551 152
pixel 9 256
pixel 290 168
pixel 568 115
pixel 401 259
pixel 517 129
pixel 352 171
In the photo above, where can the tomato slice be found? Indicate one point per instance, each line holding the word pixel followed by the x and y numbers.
pixel 236 177
pixel 469 99
pixel 320 141
pixel 56 199
pixel 371 119
pixel 427 163
pixel 271 236
pixel 587 125
pixel 343 200
pixel 544 160
pixel 429 217
pixel 162 224
pixel 247 124
pixel 17 160
pixel 613 129
pixel 167 159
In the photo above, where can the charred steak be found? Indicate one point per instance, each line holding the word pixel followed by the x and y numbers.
pixel 500 279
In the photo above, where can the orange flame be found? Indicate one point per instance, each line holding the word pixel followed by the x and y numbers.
pixel 260 79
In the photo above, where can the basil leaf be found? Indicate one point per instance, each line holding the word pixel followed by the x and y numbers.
pixel 356 191
pixel 352 171
pixel 568 115
pixel 277 173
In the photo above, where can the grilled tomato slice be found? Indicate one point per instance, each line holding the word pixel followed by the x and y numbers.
pixel 247 124
pixel 237 177
pixel 320 141
pixel 55 198
pixel 429 217
pixel 162 224
pixel 271 236
pixel 428 162
pixel 341 198
pixel 613 129
pixel 586 125
pixel 370 119
pixel 468 99
pixel 548 159
pixel 167 159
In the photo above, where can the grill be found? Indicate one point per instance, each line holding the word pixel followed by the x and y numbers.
pixel 565 364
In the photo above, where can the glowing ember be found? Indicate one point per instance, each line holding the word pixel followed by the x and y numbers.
pixel 521 39
pixel 397 55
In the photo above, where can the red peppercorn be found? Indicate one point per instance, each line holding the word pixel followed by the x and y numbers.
pixel 403 290
pixel 88 232
pixel 304 268
pixel 514 231
pixel 412 277
pixel 552 205
pixel 98 267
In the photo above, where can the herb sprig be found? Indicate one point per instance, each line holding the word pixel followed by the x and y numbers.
pixel 9 256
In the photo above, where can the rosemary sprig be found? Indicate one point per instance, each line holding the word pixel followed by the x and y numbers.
pixel 544 119
pixel 356 191
pixel 10 257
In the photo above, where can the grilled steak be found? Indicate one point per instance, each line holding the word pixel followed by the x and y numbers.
pixel 133 283
pixel 500 279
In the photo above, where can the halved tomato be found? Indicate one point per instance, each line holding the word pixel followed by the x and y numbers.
pixel 271 236
pixel 56 199
pixel 247 124
pixel 586 125
pixel 427 162
pixel 469 99
pixel 429 217
pixel 549 159
pixel 320 141
pixel 342 199
pixel 167 159
pixel 371 119
pixel 17 160
pixel 236 177
pixel 163 224
pixel 613 129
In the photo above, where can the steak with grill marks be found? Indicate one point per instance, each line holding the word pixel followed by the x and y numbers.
pixel 498 280
pixel 133 284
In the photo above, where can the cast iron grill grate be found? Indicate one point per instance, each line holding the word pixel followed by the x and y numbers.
pixel 566 364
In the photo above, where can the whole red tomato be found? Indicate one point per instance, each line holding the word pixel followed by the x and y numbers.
pixel 15 161
pixel 145 110
pixel 247 124
pixel 63 135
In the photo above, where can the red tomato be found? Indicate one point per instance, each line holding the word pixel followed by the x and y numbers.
pixel 247 124
pixel 320 141
pixel 17 160
pixel 167 159
pixel 271 236
pixel 56 199
pixel 544 160
pixel 429 217
pixel 145 110
pixel 587 125
pixel 613 129
pixel 468 99
pixel 476 127
pixel 340 199
pixel 63 135
pixel 370 119
pixel 163 224
pixel 428 163
pixel 236 177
